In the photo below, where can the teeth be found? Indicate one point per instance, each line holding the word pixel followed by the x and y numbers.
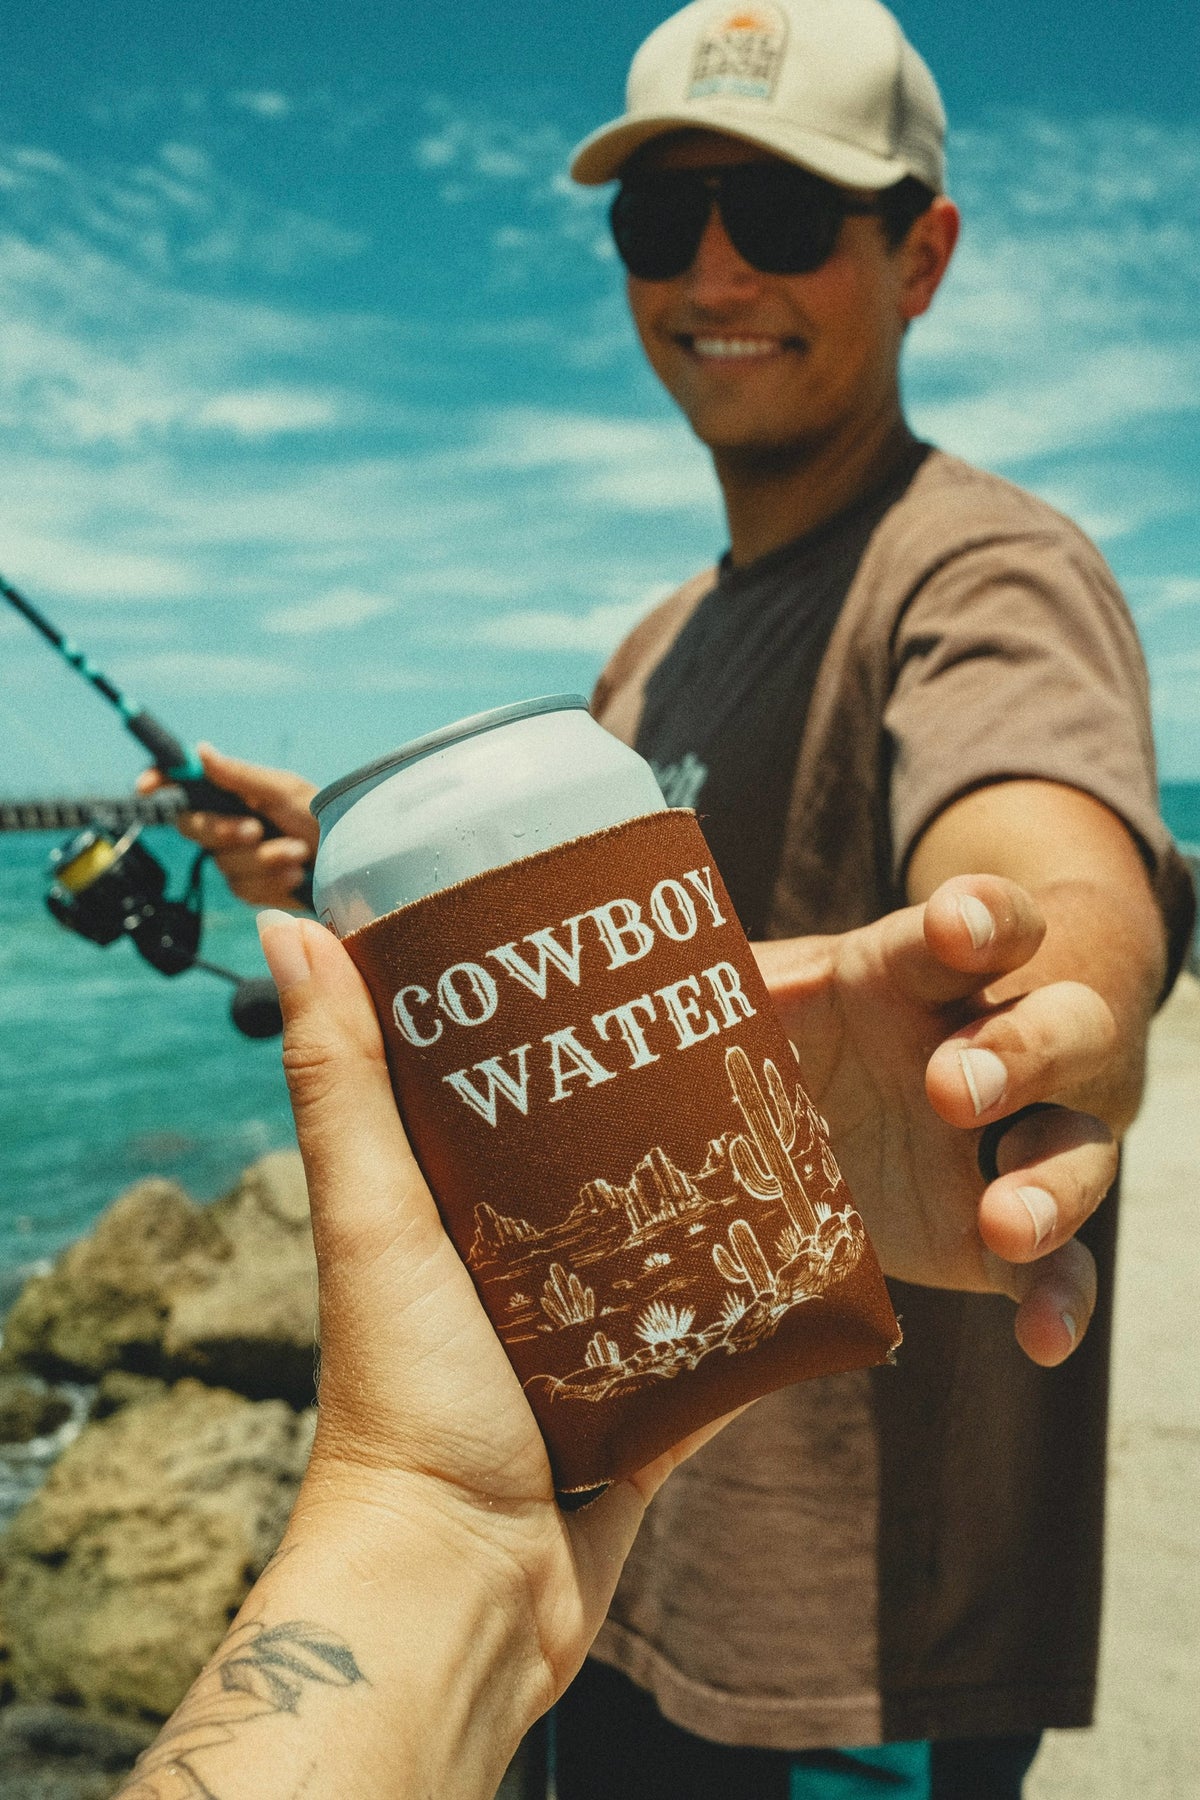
pixel 718 346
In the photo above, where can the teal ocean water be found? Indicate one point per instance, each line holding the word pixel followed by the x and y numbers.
pixel 111 1072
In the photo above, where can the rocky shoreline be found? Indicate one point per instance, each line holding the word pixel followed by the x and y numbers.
pixel 163 1370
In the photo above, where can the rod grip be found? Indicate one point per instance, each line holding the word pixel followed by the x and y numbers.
pixel 169 754
pixel 183 768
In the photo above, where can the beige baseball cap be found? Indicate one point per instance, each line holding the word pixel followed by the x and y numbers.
pixel 831 84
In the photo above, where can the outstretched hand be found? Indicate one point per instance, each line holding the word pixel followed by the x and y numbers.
pixel 909 1059
pixel 261 871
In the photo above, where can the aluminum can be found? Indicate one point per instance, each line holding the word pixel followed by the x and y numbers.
pixel 606 1108
pixel 472 796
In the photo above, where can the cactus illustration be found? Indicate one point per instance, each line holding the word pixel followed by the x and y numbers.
pixel 565 1299
pixel 733 1308
pixel 790 1244
pixel 829 1168
pixel 744 1260
pixel 663 1324
pixel 762 1162
pixel 602 1353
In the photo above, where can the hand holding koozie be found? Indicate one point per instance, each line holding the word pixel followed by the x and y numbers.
pixel 598 1090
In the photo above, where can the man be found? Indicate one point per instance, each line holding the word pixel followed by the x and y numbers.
pixel 903 671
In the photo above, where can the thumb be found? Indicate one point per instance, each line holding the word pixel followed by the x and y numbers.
pixel 257 785
pixel 364 1182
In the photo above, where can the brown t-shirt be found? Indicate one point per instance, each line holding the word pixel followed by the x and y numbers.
pixel 915 1551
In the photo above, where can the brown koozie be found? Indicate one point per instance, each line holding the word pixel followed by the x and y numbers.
pixel 608 1112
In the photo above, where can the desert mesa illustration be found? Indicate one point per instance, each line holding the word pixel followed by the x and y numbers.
pixel 764 1226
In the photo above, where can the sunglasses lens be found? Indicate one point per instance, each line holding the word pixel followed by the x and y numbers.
pixel 783 221
pixel 657 223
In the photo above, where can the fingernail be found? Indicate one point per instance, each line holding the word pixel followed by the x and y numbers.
pixel 977 919
pixel 1042 1209
pixel 282 940
pixel 986 1077
pixel 1072 1329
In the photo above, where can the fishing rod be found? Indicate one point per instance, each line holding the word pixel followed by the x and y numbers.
pixel 105 884
pixel 178 764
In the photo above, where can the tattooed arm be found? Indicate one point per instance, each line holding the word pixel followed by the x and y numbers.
pixel 429 1600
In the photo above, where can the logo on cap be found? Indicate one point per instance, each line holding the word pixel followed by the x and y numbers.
pixel 740 54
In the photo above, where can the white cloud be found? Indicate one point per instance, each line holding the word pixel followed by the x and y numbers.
pixel 165 215
pixel 627 464
pixel 339 610
pixel 267 413
pixel 595 632
pixel 1155 596
pixel 91 571
pixel 1069 317
pixel 42 162
pixel 1047 410
pixel 188 161
pixel 384 678
pixel 488 149
pixel 95 352
pixel 205 672
pixel 521 167
pixel 266 103
pixel 465 583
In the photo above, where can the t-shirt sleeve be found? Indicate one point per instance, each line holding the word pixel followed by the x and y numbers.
pixel 1017 658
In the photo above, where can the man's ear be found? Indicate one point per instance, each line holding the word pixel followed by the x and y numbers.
pixel 925 256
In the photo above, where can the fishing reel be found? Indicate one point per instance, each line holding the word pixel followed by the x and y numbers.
pixel 105 887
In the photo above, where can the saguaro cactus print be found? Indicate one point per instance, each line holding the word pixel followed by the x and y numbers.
pixel 744 1260
pixel 762 1162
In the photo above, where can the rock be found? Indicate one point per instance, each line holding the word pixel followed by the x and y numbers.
pixel 51 1730
pixel 164 1287
pixel 49 1752
pixel 29 1409
pixel 29 1775
pixel 6 1689
pixel 119 1388
pixel 253 1327
pixel 123 1573
pixel 104 1302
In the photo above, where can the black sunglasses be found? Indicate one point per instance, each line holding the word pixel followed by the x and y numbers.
pixel 780 219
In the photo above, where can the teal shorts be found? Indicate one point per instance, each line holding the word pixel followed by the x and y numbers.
pixel 885 1770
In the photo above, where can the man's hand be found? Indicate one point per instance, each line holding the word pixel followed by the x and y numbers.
pixel 908 1058
pixel 261 871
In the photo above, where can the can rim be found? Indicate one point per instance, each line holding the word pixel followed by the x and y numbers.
pixel 444 735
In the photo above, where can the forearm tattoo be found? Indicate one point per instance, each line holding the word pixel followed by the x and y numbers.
pixel 259 1672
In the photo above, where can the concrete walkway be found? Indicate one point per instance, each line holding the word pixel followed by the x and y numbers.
pixel 1146 1741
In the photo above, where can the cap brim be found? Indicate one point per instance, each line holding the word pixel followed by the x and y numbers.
pixel 602 156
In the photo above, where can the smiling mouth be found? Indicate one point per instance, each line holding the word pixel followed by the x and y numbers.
pixel 736 349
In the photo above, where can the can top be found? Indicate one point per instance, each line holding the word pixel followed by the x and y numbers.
pixel 446 734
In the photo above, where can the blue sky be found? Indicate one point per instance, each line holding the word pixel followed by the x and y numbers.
pixel 322 421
